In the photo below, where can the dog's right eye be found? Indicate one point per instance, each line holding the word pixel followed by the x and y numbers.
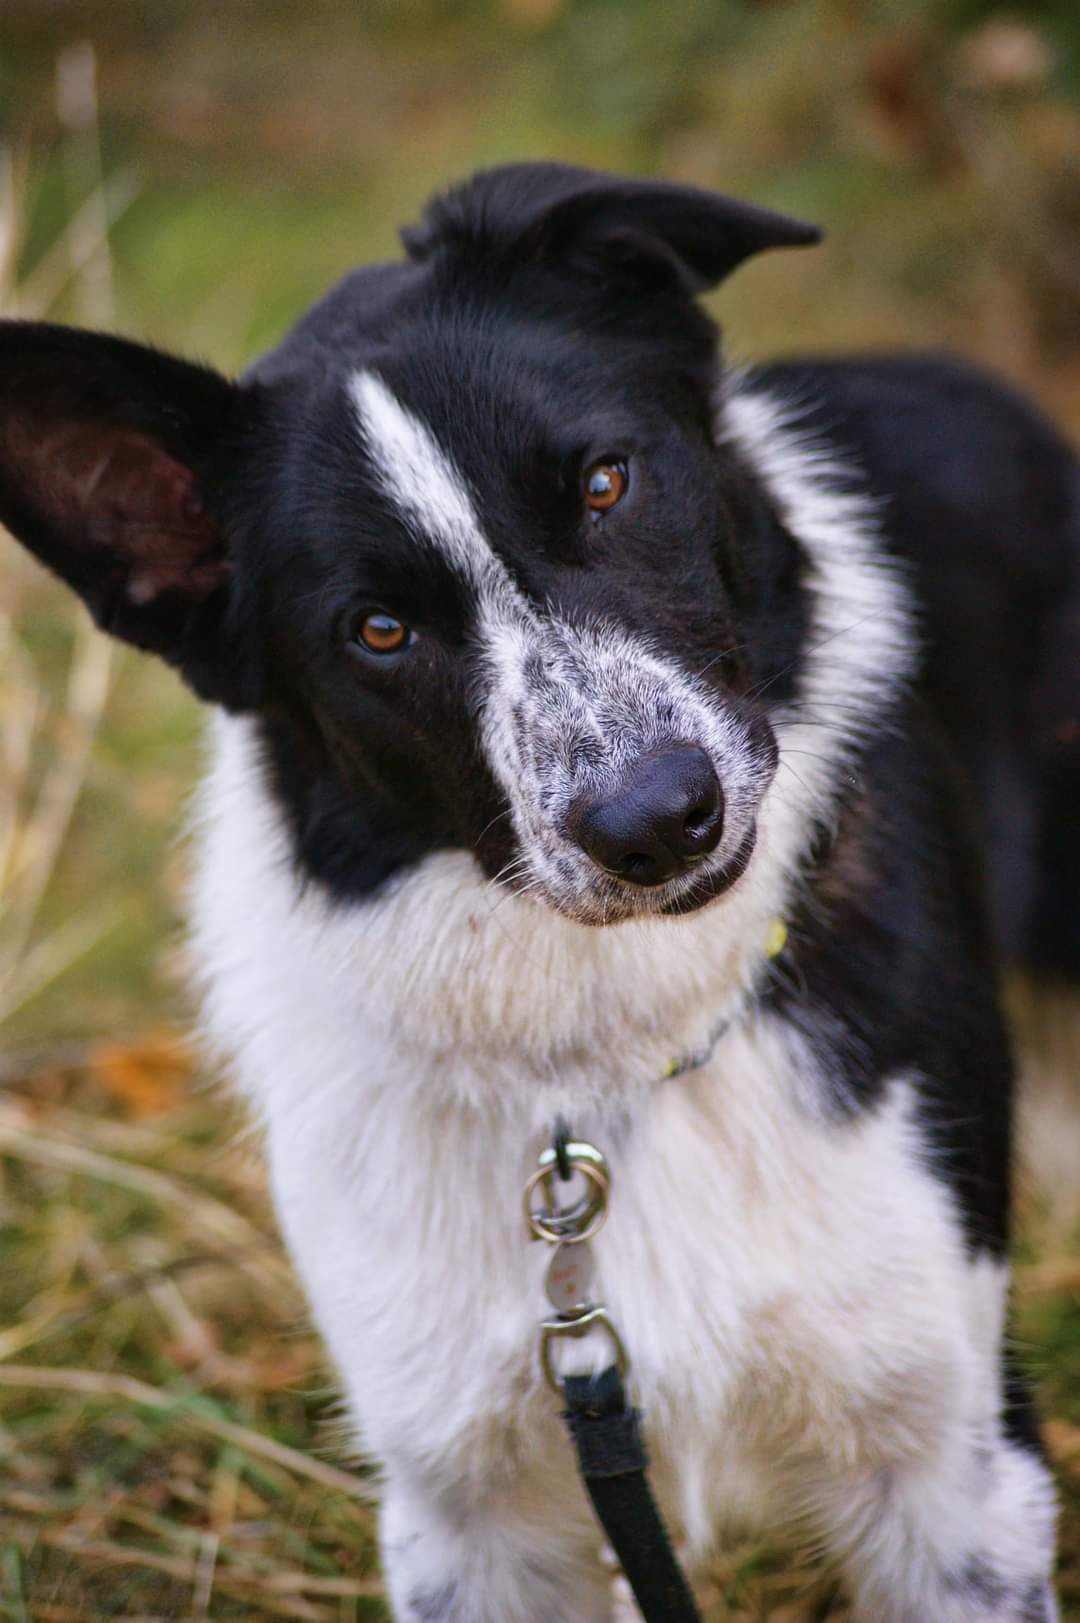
pixel 379 633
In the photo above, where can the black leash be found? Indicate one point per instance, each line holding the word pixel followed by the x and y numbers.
pixel 603 1424
pixel 612 1460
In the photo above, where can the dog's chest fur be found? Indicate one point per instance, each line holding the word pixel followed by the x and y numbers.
pixel 777 1274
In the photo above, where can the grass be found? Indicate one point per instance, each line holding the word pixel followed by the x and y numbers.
pixel 169 1443
pixel 168 1437
pixel 161 1397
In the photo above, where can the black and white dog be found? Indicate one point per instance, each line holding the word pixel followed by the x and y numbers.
pixel 561 672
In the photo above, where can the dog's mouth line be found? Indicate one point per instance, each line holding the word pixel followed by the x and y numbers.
pixel 691 891
pixel 704 884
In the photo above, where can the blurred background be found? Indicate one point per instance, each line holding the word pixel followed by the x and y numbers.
pixel 196 175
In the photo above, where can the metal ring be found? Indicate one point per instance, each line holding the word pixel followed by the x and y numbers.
pixel 552 1330
pixel 578 1152
pixel 580 1221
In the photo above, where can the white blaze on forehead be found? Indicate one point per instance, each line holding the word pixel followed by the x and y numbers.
pixel 421 480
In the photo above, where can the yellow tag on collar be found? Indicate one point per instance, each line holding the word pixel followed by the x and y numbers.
pixel 776 938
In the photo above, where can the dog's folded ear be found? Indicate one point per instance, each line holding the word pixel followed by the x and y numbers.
pixel 112 462
pixel 652 230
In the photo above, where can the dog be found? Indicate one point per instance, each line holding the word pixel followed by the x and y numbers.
pixel 605 733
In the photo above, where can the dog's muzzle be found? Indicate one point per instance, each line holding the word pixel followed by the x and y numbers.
pixel 665 816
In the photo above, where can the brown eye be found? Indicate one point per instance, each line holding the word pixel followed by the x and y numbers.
pixel 382 634
pixel 605 484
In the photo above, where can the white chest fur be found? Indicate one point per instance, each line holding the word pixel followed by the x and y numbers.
pixel 777 1275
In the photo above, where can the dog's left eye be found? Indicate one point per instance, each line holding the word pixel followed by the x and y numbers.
pixel 605 484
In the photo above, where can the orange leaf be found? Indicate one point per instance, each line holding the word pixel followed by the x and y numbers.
pixel 147 1076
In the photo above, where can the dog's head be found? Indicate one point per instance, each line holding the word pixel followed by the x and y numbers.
pixel 465 543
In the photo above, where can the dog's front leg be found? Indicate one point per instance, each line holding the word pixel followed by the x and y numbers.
pixel 968 1539
pixel 487 1566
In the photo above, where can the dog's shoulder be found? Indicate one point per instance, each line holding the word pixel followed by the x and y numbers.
pixel 943 442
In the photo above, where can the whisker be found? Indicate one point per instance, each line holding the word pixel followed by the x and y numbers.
pixel 488 826
pixel 510 871
pixel 725 653
pixel 811 755
pixel 844 631
pixel 799 780
pixel 823 704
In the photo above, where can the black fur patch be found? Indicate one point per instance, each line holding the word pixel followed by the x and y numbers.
pixel 889 970
pixel 432 1605
pixel 982 496
pixel 980 1583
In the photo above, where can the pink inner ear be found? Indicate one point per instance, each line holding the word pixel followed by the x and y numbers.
pixel 118 490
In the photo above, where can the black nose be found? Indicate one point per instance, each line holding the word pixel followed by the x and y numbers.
pixel 666 815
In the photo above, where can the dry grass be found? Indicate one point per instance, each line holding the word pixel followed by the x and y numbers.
pixel 161 1399
pixel 166 1414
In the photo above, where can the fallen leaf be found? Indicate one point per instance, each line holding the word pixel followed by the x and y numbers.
pixel 147 1076
pixel 1062 1440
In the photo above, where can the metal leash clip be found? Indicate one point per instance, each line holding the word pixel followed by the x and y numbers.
pixel 574 1327
pixel 568 1162
pixel 569 1228
pixel 566 1201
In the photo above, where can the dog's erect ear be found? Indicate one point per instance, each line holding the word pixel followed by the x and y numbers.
pixel 548 210
pixel 112 458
